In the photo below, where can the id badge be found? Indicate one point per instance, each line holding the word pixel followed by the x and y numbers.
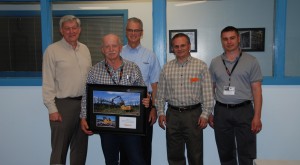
pixel 229 90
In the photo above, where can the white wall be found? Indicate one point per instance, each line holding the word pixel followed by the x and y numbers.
pixel 210 17
pixel 25 132
pixel 24 126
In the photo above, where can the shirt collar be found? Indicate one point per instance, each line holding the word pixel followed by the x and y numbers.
pixel 188 59
pixel 110 67
pixel 225 58
pixel 67 45
pixel 134 49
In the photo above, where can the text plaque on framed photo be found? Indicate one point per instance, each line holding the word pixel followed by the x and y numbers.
pixel 116 109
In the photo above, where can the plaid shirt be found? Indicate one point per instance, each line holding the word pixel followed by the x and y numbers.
pixel 99 75
pixel 185 84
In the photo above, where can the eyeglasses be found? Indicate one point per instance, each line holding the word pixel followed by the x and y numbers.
pixel 134 30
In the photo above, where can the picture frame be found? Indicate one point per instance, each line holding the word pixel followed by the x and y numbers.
pixel 252 39
pixel 192 33
pixel 116 109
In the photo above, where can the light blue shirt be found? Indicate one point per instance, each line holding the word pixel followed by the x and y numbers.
pixel 147 62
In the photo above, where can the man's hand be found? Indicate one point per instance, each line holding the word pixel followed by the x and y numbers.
pixel 85 127
pixel 146 101
pixel 152 116
pixel 162 121
pixel 202 123
pixel 56 117
pixel 211 121
pixel 256 125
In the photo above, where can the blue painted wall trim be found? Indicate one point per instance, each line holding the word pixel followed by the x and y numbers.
pixel 280 28
pixel 279 77
pixel 159 30
pixel 46 20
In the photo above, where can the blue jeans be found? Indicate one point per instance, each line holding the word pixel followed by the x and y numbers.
pixel 113 143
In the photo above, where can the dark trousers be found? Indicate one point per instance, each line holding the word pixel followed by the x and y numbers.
pixel 146 147
pixel 130 144
pixel 183 132
pixel 67 134
pixel 235 141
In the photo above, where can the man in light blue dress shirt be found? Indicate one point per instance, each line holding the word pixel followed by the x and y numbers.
pixel 150 68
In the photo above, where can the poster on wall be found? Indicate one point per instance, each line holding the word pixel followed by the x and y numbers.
pixel 252 39
pixel 192 33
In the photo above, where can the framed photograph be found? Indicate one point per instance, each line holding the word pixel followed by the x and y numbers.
pixel 252 39
pixel 116 109
pixel 192 33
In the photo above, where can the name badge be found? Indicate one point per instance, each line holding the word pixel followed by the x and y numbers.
pixel 229 90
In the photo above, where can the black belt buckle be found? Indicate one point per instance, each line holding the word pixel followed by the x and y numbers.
pixel 181 109
pixel 185 108
pixel 75 98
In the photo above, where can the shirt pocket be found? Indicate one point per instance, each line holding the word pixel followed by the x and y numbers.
pixel 194 82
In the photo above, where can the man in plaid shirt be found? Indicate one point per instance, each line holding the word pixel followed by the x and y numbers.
pixel 115 70
pixel 185 84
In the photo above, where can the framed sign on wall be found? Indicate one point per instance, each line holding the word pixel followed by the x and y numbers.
pixel 192 33
pixel 252 39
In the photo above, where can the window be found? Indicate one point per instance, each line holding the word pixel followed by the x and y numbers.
pixel 21 48
pixel 292 58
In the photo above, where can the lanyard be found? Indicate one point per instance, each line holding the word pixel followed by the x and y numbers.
pixel 111 76
pixel 230 72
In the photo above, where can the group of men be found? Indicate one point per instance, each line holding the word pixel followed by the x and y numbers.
pixel 227 96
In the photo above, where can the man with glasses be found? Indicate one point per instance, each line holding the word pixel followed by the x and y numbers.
pixel 150 68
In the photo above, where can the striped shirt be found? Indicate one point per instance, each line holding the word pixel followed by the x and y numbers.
pixel 185 84
pixel 99 75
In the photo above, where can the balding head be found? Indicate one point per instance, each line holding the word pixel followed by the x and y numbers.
pixel 111 46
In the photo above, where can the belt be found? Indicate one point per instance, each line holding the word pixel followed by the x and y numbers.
pixel 75 98
pixel 234 105
pixel 184 108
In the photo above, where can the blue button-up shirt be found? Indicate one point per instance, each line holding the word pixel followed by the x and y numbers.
pixel 147 62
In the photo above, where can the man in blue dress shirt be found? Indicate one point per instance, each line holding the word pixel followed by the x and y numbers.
pixel 150 68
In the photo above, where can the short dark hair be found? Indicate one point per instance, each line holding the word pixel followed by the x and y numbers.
pixel 180 35
pixel 229 29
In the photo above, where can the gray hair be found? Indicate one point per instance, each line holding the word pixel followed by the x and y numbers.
pixel 110 34
pixel 136 20
pixel 67 18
